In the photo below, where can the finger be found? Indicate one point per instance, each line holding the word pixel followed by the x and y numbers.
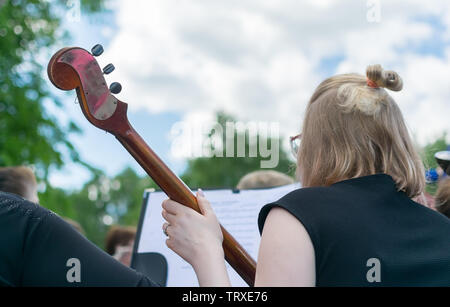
pixel 172 207
pixel 203 204
pixel 176 208
pixel 171 218
pixel 169 243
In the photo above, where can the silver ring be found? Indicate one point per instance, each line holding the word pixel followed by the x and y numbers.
pixel 165 230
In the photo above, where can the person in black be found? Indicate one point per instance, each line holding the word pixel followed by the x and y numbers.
pixel 364 218
pixel 356 221
pixel 38 248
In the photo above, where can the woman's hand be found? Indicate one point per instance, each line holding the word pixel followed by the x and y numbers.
pixel 197 238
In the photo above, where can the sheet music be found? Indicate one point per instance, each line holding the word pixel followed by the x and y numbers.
pixel 237 212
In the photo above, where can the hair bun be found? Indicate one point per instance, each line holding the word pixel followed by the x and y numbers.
pixel 384 78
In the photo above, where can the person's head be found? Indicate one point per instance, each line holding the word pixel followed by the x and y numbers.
pixel 119 236
pixel 19 180
pixel 354 128
pixel 442 198
pixel 119 243
pixel 263 179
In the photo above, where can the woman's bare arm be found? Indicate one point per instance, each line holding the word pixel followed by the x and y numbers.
pixel 286 254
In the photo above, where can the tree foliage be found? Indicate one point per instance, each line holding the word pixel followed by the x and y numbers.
pixel 225 172
pixel 29 134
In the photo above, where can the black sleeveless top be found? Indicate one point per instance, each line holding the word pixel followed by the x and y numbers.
pixel 38 248
pixel 366 233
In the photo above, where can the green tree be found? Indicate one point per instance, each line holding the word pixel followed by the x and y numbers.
pixel 126 196
pixel 225 172
pixel 29 134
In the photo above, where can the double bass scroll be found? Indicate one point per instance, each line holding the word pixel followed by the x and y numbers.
pixel 76 68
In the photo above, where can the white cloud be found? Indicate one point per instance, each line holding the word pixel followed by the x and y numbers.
pixel 261 60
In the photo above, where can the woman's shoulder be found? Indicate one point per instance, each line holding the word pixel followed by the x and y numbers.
pixel 345 191
pixel 310 194
pixel 306 204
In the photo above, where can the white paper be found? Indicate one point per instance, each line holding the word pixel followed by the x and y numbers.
pixel 237 212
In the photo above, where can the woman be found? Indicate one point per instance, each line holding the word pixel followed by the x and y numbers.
pixel 354 222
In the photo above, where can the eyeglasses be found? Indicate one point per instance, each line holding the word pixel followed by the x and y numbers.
pixel 295 144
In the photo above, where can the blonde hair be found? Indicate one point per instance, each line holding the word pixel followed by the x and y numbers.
pixel 353 128
pixel 263 179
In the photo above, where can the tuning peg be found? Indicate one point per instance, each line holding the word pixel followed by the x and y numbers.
pixel 108 69
pixel 97 50
pixel 115 88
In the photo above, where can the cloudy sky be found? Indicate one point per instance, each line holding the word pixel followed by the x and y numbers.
pixel 258 60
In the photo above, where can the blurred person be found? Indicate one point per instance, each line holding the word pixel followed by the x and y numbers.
pixel 354 222
pixel 119 243
pixel 19 180
pixel 441 173
pixel 432 175
pixel 442 198
pixel 43 249
pixel 263 179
